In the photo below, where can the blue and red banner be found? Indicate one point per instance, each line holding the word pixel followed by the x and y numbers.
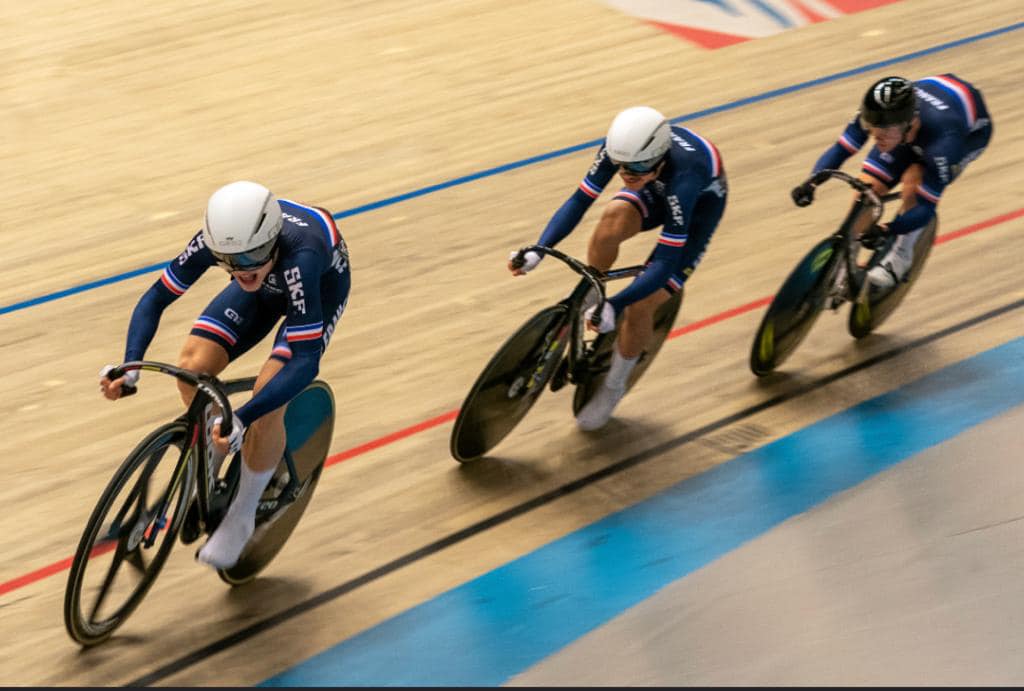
pixel 720 23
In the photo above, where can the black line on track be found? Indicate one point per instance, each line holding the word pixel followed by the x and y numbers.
pixel 337 591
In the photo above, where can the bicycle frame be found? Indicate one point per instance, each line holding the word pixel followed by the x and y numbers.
pixel 208 388
pixel 867 200
pixel 580 349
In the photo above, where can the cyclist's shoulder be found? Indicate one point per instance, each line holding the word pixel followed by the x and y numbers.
pixel 302 215
pixel 307 228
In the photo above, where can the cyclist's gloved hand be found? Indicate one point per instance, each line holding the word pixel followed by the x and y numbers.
pixel 803 194
pixel 530 261
pixel 874 237
pixel 607 318
pixel 112 390
pixel 237 431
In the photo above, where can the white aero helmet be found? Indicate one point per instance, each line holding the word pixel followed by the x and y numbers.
pixel 638 139
pixel 242 223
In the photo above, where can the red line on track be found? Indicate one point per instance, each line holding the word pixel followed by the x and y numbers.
pixel 57 567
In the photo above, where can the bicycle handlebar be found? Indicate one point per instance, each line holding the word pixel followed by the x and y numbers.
pixel 872 197
pixel 595 277
pixel 208 384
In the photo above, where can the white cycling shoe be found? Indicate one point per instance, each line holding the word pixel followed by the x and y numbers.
pixel 224 547
pixel 896 263
pixel 596 413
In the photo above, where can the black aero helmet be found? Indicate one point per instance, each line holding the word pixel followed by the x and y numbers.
pixel 889 101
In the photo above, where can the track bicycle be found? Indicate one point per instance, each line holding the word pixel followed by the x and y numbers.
pixel 167 488
pixel 830 275
pixel 551 348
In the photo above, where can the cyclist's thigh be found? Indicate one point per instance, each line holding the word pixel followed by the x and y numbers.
pixel 237 320
pixel 649 205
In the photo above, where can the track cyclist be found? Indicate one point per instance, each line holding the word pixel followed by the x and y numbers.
pixel 674 179
pixel 925 132
pixel 284 259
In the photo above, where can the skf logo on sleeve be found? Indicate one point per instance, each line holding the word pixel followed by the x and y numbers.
pixel 293 277
pixel 676 208
pixel 194 246
pixel 601 155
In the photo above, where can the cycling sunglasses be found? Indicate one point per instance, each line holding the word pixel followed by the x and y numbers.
pixel 246 261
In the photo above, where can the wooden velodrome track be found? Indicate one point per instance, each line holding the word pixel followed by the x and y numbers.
pixel 121 119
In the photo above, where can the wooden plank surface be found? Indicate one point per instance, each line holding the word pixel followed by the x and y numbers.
pixel 123 118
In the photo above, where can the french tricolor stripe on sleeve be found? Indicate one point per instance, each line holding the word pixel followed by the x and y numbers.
pixel 672 240
pixel 213 326
pixel 716 159
pixel 327 224
pixel 282 351
pixel 171 283
pixel 330 228
pixel 590 189
pixel 849 144
pixel 878 171
pixel 306 332
pixel 928 194
pixel 959 91
pixel 631 196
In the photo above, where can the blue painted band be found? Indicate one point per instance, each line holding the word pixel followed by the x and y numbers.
pixel 498 625
pixel 455 182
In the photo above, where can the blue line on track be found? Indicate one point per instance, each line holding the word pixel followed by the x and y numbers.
pixel 490 172
pixel 498 625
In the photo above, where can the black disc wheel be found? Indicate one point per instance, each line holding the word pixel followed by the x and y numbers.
pixel 309 423
pixel 129 535
pixel 510 383
pixel 868 315
pixel 596 368
pixel 795 308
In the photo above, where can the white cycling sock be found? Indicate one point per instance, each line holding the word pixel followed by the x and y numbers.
pixel 224 547
pixel 618 374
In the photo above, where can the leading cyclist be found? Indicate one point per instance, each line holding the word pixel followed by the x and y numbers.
pixel 285 259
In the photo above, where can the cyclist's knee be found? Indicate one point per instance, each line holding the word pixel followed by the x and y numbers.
pixel 270 424
pixel 200 355
pixel 641 313
pixel 877 185
pixel 266 436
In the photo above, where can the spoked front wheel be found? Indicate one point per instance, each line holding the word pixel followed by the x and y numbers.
pixel 597 367
pixel 129 535
pixel 795 308
pixel 510 383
